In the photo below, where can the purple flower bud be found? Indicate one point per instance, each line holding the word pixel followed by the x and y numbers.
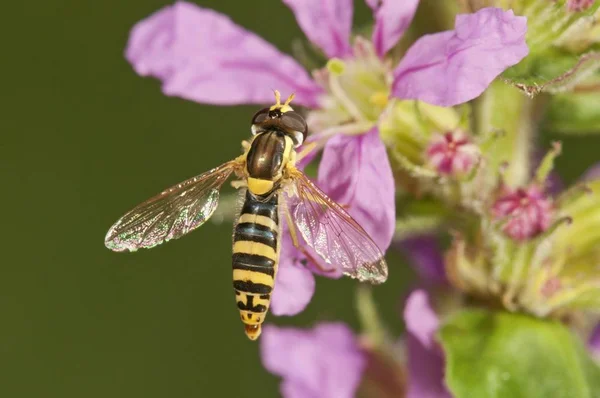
pixel 452 153
pixel 527 212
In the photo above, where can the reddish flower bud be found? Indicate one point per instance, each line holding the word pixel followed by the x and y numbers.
pixel 579 5
pixel 452 153
pixel 527 211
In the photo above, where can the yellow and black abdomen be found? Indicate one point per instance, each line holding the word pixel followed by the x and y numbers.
pixel 255 260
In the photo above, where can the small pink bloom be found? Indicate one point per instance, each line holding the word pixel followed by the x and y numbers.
pixel 452 153
pixel 579 5
pixel 527 211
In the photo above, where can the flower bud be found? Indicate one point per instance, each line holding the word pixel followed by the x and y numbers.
pixel 452 153
pixel 579 5
pixel 527 212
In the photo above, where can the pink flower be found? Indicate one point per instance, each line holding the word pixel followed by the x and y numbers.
pixel 202 55
pixel 452 153
pixel 527 211
pixel 323 362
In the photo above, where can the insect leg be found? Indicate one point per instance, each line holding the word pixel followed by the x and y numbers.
pixel 237 184
pixel 308 148
pixel 291 225
pixel 245 145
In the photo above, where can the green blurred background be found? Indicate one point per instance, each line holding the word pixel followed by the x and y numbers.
pixel 83 140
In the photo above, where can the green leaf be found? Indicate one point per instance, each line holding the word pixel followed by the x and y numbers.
pixel 497 355
pixel 562 46
pixel 552 70
pixel 574 113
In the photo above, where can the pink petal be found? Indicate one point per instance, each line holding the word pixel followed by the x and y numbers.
pixel 591 174
pixel 452 67
pixel 282 348
pixel 355 172
pixel 323 362
pixel 326 23
pixel 425 371
pixel 295 389
pixel 391 20
pixel 373 4
pixel 421 321
pixel 425 359
pixel 294 284
pixel 425 255
pixel 202 55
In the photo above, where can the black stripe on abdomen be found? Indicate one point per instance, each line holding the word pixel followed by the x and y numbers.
pixel 255 256
pixel 250 306
pixel 264 269
pixel 254 206
pixel 251 287
pixel 254 232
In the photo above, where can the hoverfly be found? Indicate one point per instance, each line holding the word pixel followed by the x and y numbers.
pixel 272 189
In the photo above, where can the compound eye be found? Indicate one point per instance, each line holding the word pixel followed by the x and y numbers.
pixel 295 124
pixel 259 118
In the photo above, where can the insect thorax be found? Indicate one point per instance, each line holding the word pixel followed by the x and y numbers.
pixel 269 152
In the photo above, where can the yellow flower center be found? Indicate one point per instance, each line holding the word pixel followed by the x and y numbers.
pixel 356 92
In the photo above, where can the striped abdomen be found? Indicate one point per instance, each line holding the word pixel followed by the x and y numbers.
pixel 255 258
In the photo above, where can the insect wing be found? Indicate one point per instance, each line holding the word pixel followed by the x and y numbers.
pixel 171 214
pixel 331 232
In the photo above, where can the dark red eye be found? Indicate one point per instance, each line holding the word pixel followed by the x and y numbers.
pixel 261 116
pixel 292 121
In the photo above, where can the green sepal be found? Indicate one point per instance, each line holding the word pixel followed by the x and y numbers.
pixel 547 163
pixel 550 23
pixel 583 235
pixel 504 112
pixel 501 354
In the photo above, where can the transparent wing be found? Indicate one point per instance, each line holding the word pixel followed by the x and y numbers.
pixel 171 214
pixel 331 232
